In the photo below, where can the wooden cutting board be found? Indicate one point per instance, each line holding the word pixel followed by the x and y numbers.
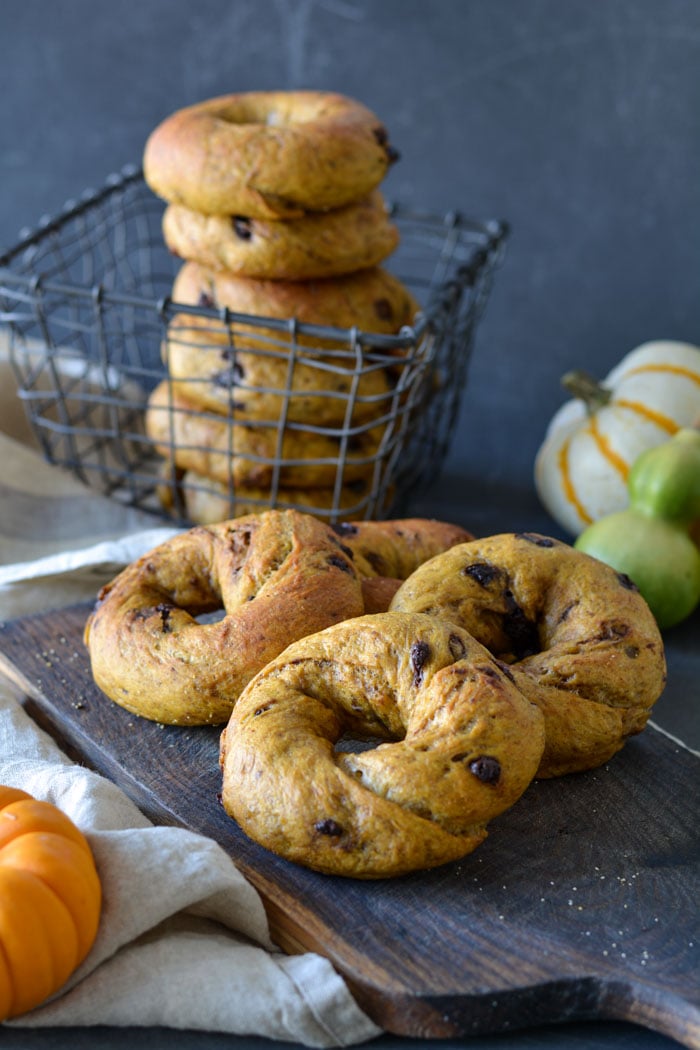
pixel 581 904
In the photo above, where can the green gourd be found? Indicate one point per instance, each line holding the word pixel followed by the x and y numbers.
pixel 650 541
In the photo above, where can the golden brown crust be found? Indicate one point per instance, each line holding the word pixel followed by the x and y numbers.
pixel 372 300
pixel 319 244
pixel 578 637
pixel 378 591
pixel 268 154
pixel 464 746
pixel 396 548
pixel 278 576
pixel 249 452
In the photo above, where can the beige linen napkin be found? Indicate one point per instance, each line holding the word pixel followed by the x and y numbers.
pixel 183 939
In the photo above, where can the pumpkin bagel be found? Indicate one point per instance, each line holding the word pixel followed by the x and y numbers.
pixel 268 154
pixel 255 452
pixel 319 244
pixel 266 370
pixel 205 501
pixel 462 745
pixel 578 638
pixel 279 576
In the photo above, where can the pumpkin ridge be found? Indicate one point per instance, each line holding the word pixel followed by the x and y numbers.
pixel 7 984
pixel 568 484
pixel 29 986
pixel 34 815
pixel 677 370
pixel 665 422
pixel 606 450
pixel 50 900
pixel 58 905
pixel 76 886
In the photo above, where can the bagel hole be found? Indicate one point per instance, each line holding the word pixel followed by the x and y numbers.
pixel 211 617
pixel 353 745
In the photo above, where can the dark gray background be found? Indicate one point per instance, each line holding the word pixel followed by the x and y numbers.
pixel 578 121
pixel 575 120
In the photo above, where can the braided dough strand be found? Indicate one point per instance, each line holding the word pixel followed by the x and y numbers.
pixel 279 576
pixel 387 552
pixel 580 640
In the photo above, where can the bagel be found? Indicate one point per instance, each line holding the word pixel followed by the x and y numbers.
pixel 251 452
pixel 205 501
pixel 328 244
pixel 268 154
pixel 279 576
pixel 465 745
pixel 343 381
pixel 579 639
pixel 373 301
pixel 209 367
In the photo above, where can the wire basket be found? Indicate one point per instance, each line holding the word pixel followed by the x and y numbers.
pixel 94 334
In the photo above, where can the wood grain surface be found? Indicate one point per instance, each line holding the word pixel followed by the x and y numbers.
pixel 581 904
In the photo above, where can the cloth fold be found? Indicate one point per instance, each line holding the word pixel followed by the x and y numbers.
pixel 183 940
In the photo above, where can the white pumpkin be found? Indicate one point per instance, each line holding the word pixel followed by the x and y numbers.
pixel 582 466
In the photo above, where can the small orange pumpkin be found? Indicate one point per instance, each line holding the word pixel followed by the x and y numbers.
pixel 50 900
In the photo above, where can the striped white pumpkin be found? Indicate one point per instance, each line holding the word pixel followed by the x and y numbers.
pixel 582 466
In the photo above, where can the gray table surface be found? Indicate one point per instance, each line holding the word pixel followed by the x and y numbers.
pixel 485 512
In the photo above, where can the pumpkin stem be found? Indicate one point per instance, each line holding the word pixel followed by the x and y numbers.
pixel 587 388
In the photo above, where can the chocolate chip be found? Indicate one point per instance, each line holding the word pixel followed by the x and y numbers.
pixel 165 612
pixel 488 671
pixel 506 670
pixel 382 308
pixel 457 647
pixel 533 537
pixel 345 528
pixel 346 550
pixel 627 582
pixel 242 227
pixel 382 137
pixel 376 561
pixel 206 300
pixel 522 633
pixel 339 563
pixel 420 654
pixel 486 769
pixel 228 376
pixel 328 827
pixel 611 630
pixel 632 651
pixel 481 572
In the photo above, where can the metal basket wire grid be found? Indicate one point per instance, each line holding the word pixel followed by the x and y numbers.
pixel 199 413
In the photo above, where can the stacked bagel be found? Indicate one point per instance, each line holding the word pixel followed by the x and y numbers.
pixel 273 204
